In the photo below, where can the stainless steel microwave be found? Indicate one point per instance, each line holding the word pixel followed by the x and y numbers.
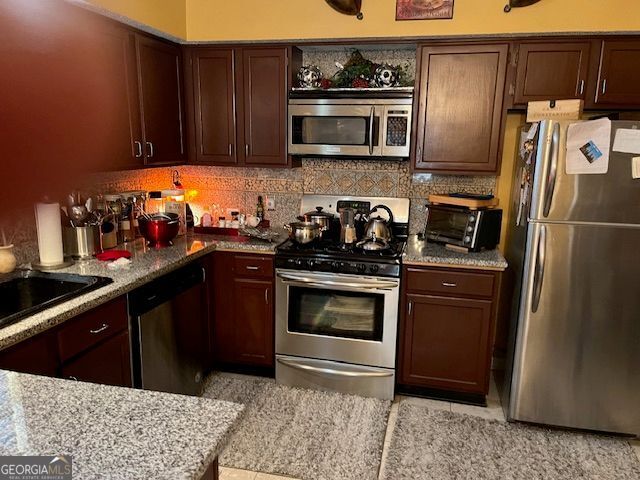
pixel 366 124
pixel 473 230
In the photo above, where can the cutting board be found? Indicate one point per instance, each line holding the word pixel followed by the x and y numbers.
pixel 471 203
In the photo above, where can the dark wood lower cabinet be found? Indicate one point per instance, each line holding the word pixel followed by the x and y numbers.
pixel 92 347
pixel 446 342
pixel 37 355
pixel 243 310
pixel 107 363
pixel 446 329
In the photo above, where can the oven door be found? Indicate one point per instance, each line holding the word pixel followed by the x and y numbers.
pixel 321 129
pixel 344 318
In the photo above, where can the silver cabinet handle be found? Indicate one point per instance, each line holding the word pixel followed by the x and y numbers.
pixel 410 308
pixel 251 267
pixel 230 149
pixel 371 118
pixel 538 275
pixel 331 371
pixel 266 296
pixel 604 86
pixel 99 330
pixel 138 148
pixel 581 87
pixel 553 170
pixel 448 284
pixel 71 377
pixel 150 148
pixel 246 149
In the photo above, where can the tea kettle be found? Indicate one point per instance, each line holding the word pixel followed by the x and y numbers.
pixel 378 227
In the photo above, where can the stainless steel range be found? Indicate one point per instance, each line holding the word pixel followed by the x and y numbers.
pixel 337 306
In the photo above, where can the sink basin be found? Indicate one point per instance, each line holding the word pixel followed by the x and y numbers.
pixel 25 292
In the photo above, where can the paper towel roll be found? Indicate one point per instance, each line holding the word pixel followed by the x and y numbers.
pixel 49 233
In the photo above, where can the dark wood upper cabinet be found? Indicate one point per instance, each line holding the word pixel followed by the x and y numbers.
pixel 552 71
pixel 264 89
pixel 618 83
pixel 214 106
pixel 237 105
pixel 460 108
pixel 159 79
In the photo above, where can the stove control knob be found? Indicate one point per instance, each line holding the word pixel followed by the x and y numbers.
pixel 335 266
pixel 361 267
pixel 311 263
pixel 299 262
pixel 374 268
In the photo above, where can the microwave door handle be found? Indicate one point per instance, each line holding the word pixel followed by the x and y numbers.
pixel 371 119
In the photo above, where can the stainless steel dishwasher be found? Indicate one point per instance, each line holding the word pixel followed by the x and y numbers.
pixel 169 332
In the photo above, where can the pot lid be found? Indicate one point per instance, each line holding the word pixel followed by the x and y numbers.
pixel 373 243
pixel 319 213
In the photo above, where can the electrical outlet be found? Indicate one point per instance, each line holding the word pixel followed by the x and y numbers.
pixel 271 204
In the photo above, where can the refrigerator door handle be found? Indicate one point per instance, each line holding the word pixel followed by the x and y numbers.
pixel 553 169
pixel 538 276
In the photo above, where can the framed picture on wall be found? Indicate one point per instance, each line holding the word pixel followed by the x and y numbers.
pixel 424 9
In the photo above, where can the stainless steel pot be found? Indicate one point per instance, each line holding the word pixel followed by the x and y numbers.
pixel 378 227
pixel 303 232
pixel 324 219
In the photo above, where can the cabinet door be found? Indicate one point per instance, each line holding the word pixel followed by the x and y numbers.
pixel 107 363
pixel 214 106
pixel 118 145
pixel 460 108
pixel 161 104
pixel 37 355
pixel 619 76
pixel 551 71
pixel 445 343
pixel 253 325
pixel 263 116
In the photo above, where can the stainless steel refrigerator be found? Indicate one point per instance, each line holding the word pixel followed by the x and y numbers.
pixel 574 247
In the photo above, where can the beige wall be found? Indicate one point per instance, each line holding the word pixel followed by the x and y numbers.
pixel 168 16
pixel 314 19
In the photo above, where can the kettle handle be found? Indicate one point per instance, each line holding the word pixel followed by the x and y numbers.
pixel 385 208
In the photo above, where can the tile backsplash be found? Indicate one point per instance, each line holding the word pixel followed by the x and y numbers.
pixel 239 187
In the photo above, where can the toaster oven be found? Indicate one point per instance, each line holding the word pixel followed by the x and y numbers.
pixel 473 230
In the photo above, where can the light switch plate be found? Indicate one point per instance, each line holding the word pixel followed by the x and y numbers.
pixel 635 167
pixel 271 204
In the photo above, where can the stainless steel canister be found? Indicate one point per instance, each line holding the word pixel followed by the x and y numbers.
pixel 81 242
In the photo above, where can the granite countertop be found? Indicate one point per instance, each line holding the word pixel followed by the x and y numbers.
pixel 147 264
pixel 419 252
pixel 113 432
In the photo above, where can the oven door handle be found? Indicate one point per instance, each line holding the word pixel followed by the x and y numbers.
pixel 332 283
pixel 331 371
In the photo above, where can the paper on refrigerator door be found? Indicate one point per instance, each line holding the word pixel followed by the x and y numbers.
pixel 588 145
pixel 627 140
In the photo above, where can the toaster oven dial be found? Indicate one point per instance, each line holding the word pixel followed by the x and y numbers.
pixel 472 218
pixel 469 228
pixel 467 239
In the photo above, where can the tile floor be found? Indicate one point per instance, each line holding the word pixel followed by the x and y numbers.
pixel 493 411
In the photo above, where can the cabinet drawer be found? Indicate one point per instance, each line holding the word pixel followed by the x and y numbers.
pixel 92 327
pixel 253 266
pixel 450 282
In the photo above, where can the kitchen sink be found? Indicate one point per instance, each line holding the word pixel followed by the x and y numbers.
pixel 25 292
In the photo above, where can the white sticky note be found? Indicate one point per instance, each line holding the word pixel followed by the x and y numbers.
pixel 635 167
pixel 627 141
